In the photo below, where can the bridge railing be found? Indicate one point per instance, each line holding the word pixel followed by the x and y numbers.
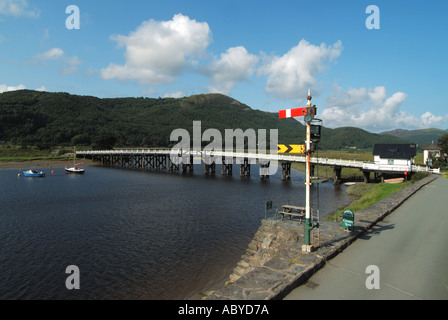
pixel 264 157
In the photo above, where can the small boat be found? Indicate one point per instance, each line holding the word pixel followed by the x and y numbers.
pixel 33 173
pixel 350 183
pixel 396 180
pixel 75 169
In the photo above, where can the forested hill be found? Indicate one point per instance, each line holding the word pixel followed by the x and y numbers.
pixel 61 119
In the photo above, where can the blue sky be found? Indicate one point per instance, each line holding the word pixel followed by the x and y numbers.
pixel 266 54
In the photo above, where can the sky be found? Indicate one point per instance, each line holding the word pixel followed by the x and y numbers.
pixel 378 68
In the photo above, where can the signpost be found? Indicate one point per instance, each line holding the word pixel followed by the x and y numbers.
pixel 308 113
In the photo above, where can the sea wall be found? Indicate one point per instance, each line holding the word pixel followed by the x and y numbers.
pixel 274 263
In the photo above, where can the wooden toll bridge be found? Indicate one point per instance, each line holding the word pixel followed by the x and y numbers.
pixel 177 160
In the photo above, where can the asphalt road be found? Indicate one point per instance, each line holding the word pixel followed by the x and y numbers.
pixel 409 247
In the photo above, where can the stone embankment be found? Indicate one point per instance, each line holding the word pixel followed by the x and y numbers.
pixel 274 263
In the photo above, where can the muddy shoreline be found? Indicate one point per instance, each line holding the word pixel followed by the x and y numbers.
pixel 40 164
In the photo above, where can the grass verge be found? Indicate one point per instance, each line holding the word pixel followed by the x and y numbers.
pixel 371 193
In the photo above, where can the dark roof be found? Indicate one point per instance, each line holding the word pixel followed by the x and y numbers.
pixel 432 146
pixel 395 151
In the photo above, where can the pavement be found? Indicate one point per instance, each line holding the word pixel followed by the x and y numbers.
pixel 406 251
pixel 290 267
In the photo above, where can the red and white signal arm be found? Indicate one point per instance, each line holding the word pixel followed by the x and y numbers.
pixel 292 113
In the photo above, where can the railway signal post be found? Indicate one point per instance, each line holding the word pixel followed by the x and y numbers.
pixel 308 113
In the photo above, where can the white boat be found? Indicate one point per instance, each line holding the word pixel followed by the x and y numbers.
pixel 74 169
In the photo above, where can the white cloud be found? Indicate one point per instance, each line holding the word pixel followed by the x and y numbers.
pixel 295 72
pixel 373 111
pixel 177 94
pixel 6 88
pixel 70 64
pixel 52 54
pixel 157 52
pixel 235 65
pixel 18 8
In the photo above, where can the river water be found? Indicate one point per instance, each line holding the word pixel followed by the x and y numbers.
pixel 134 234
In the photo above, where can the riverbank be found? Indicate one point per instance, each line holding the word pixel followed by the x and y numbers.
pixel 275 264
pixel 40 164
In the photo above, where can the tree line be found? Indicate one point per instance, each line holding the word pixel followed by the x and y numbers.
pixel 47 119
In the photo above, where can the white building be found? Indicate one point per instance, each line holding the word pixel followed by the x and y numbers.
pixel 396 156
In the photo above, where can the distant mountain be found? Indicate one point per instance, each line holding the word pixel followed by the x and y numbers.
pixel 422 137
pixel 350 137
pixel 61 119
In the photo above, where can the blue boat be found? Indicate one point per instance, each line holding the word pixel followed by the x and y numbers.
pixel 33 173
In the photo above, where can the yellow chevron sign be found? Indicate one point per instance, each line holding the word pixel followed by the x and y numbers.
pixel 291 148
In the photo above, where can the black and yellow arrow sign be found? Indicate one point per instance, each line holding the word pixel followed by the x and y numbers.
pixel 291 148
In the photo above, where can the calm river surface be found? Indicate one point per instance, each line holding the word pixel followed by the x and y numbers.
pixel 133 234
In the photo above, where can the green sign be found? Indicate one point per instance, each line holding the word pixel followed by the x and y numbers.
pixel 348 220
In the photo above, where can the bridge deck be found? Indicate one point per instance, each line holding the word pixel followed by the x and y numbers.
pixel 217 157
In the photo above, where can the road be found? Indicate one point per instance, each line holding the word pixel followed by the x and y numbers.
pixel 409 247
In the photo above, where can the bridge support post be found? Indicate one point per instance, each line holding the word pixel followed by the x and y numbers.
pixel 138 164
pixel 337 175
pixel 264 170
pixel 366 176
pixel 116 161
pixel 152 162
pixel 106 160
pixel 245 168
pixel 286 171
pixel 209 169
pixel 187 164
pixel 173 164
pixel 226 168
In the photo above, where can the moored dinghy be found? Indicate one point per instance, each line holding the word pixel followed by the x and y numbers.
pixel 33 173
pixel 397 180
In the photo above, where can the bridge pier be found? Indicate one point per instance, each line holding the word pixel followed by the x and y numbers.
pixel 116 161
pixel 161 162
pixel 209 169
pixel 245 168
pixel 337 175
pixel 187 164
pixel 138 162
pixel 366 176
pixel 173 164
pixel 226 168
pixel 286 171
pixel 264 170
pixel 106 160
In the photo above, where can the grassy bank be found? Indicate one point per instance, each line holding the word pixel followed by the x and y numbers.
pixel 10 153
pixel 370 193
